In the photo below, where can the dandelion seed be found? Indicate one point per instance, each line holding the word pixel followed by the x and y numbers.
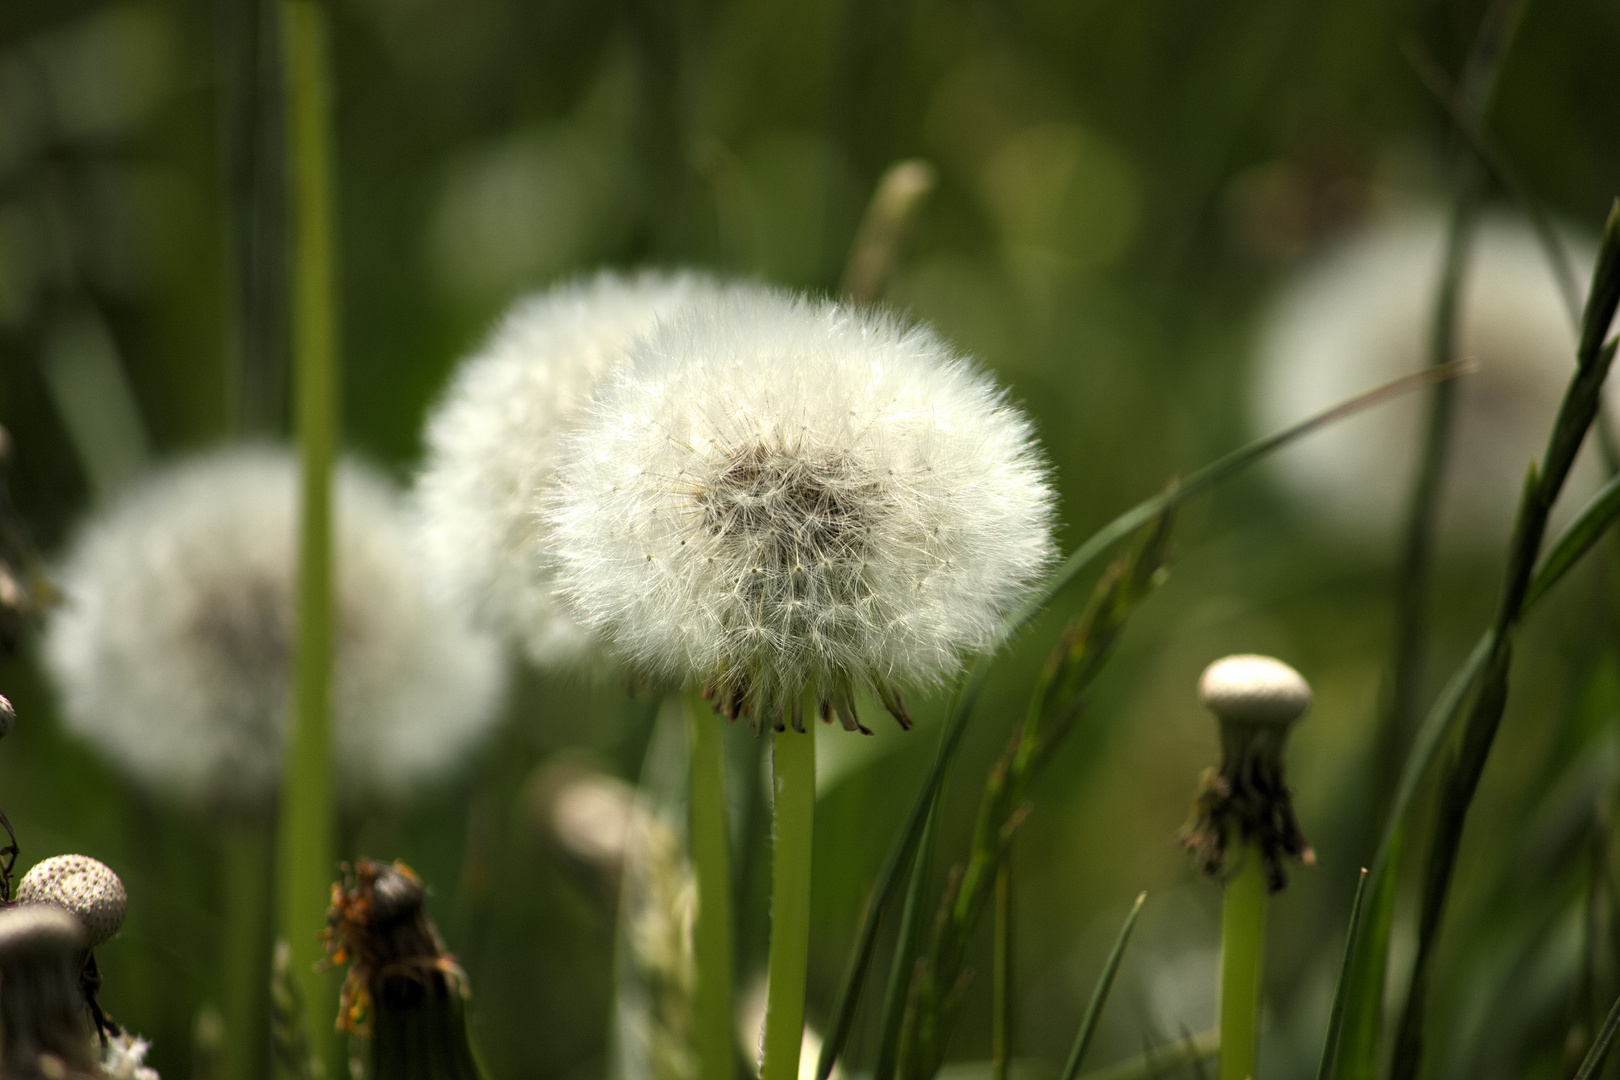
pixel 492 446
pixel 777 498
pixel 1363 314
pixel 173 648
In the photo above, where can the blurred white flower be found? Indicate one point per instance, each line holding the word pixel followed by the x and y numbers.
pixel 123 1056
pixel 777 497
pixel 1363 314
pixel 492 446
pixel 173 648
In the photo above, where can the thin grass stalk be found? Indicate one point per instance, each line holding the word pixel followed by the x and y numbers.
pixel 711 862
pixel 1243 939
pixel 1001 994
pixel 903 966
pixel 1542 486
pixel 1601 1046
pixel 793 767
pixel 305 852
pixel 898 862
pixel 900 192
pixel 1099 995
pixel 1330 1045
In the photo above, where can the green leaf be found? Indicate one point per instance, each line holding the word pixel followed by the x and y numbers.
pixel 1330 1046
pixel 1099 996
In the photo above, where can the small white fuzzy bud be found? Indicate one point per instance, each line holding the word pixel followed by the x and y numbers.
pixel 777 498
pixel 86 888
pixel 492 444
pixel 173 649
pixel 1257 690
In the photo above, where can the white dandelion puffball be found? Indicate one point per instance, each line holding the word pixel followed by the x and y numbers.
pixel 173 648
pixel 492 447
pixel 777 498
pixel 1362 315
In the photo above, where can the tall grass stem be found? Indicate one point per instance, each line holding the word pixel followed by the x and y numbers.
pixel 1243 937
pixel 711 860
pixel 1099 996
pixel 305 851
pixel 793 768
pixel 1001 990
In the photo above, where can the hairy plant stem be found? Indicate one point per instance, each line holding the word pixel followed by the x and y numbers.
pixel 711 861
pixel 305 851
pixel 793 765
pixel 1243 939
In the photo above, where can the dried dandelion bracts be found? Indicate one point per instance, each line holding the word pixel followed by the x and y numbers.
pixel 404 992
pixel 494 439
pixel 1244 830
pixel 45 1030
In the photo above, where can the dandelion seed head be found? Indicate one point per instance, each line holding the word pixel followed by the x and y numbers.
pixel 492 445
pixel 85 887
pixel 777 497
pixel 173 649
pixel 1363 314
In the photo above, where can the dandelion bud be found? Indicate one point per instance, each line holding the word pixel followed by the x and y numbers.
pixel 403 989
pixel 1257 700
pixel 173 651
pixel 492 445
pixel 88 889
pixel 777 499
pixel 45 1031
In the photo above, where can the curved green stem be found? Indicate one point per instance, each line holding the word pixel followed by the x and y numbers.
pixel 1243 937
pixel 711 861
pixel 794 807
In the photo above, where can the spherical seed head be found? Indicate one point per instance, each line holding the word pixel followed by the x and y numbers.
pixel 776 498
pixel 1256 690
pixel 173 649
pixel 493 439
pixel 83 886
pixel 35 929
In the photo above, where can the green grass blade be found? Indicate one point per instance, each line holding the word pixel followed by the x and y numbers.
pixel 1599 1053
pixel 1099 996
pixel 1330 1046
pixel 971 685
pixel 906 947
pixel 1587 528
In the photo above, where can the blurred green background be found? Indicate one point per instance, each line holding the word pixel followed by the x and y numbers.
pixel 1120 184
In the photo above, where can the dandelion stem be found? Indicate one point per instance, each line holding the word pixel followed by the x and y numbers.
pixel 794 807
pixel 711 936
pixel 305 843
pixel 1243 935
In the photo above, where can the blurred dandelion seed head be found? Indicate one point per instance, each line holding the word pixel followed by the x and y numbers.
pixel 493 442
pixel 778 497
pixel 1362 314
pixel 173 647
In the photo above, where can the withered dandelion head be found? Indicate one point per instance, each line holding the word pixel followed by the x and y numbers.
pixel 779 499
